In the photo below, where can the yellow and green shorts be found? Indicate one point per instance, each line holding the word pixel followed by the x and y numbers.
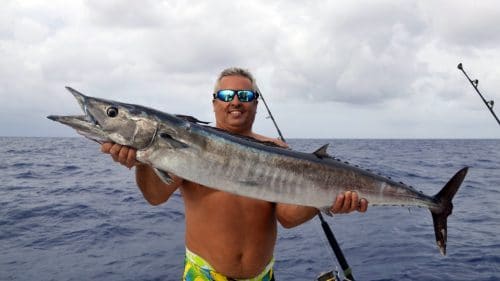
pixel 198 269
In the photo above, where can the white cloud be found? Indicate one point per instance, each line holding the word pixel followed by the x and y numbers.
pixel 380 65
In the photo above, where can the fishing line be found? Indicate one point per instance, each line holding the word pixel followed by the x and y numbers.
pixel 326 228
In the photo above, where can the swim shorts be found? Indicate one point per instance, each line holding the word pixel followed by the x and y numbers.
pixel 197 269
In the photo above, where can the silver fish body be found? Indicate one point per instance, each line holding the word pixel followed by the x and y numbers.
pixel 247 167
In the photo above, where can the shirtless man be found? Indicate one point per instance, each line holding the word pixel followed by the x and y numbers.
pixel 228 236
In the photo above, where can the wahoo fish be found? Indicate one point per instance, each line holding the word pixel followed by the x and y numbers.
pixel 183 146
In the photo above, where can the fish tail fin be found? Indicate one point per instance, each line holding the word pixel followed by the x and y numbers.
pixel 440 214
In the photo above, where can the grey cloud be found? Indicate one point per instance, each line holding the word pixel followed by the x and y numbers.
pixel 188 37
pixel 464 24
pixel 366 56
pixel 126 14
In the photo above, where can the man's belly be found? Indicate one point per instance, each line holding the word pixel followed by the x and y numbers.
pixel 236 235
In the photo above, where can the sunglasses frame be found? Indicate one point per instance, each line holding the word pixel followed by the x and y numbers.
pixel 236 93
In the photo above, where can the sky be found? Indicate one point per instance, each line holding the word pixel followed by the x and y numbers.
pixel 327 69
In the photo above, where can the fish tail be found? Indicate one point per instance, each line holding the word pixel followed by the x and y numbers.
pixel 440 214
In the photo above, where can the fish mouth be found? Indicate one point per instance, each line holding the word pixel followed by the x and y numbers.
pixel 82 101
pixel 86 125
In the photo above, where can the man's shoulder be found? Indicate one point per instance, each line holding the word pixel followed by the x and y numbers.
pixel 273 140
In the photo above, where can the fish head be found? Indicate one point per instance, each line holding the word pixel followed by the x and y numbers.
pixel 106 120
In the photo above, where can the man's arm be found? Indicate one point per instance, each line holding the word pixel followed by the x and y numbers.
pixel 154 190
pixel 293 215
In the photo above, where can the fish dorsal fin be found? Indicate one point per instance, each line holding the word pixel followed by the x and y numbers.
pixel 321 152
pixel 191 119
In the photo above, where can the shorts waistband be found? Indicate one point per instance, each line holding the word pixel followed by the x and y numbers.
pixel 193 258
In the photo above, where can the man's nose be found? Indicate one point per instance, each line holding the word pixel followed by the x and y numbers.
pixel 235 100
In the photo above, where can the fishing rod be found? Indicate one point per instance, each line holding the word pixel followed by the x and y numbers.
pixel 346 269
pixel 474 83
pixel 270 114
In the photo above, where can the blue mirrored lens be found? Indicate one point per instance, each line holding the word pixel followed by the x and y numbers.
pixel 246 96
pixel 225 95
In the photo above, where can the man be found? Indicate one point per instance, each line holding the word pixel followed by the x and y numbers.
pixel 228 236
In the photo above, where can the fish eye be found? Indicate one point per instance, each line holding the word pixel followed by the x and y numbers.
pixel 112 111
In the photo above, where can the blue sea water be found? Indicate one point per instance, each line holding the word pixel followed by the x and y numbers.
pixel 67 212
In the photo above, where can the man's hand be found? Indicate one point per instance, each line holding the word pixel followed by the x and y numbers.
pixel 122 154
pixel 348 202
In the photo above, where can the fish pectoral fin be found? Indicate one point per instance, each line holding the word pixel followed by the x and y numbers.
pixel 172 143
pixel 164 176
pixel 321 152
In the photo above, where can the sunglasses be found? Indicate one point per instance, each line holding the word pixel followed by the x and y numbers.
pixel 243 95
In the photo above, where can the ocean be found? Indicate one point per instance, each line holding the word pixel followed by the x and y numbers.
pixel 68 212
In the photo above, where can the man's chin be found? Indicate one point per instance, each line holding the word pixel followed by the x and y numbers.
pixel 236 124
pixel 240 119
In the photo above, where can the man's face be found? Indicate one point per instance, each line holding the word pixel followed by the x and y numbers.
pixel 235 116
